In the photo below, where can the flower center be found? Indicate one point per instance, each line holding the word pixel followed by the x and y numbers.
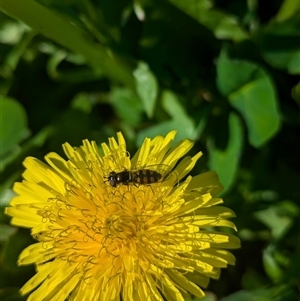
pixel 122 227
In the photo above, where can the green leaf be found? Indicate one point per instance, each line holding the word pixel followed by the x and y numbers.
pixel 13 124
pixel 179 121
pixel 288 9
pixel 276 293
pixel 272 268
pixel 6 232
pixel 146 87
pixel 12 249
pixel 12 59
pixel 246 296
pixel 208 297
pixel 11 294
pixel 250 91
pixel 127 105
pixel 174 108
pixel 222 25
pixel 296 93
pixel 279 43
pixel 83 102
pixel 138 10
pixel 27 147
pixel 294 63
pixel 278 218
pixel 233 74
pixel 258 105
pixel 6 195
pixel 11 31
pixel 291 273
pixel 161 128
pixel 225 162
pixel 252 279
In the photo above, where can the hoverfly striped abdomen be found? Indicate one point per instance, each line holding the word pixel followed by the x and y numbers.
pixel 146 176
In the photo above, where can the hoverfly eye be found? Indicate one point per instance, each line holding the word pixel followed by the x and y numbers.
pixel 112 181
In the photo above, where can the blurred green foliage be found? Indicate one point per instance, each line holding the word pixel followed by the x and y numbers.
pixel 223 73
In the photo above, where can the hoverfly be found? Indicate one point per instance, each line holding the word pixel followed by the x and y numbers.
pixel 152 174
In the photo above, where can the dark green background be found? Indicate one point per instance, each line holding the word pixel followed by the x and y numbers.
pixel 222 73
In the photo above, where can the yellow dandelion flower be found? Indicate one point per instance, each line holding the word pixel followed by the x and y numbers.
pixel 114 228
